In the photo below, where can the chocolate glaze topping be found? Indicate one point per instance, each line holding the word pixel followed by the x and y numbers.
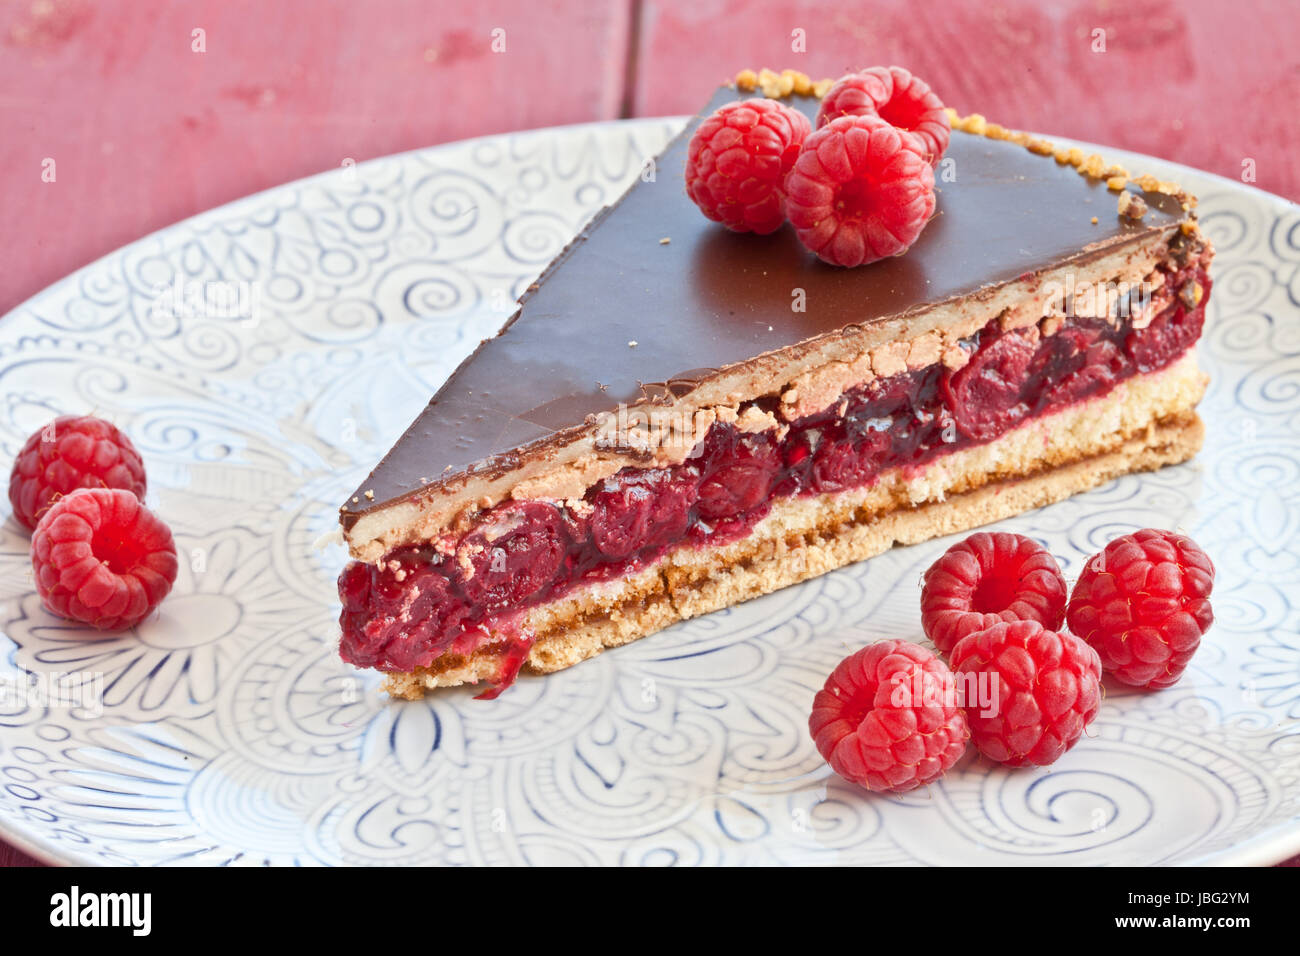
pixel 710 298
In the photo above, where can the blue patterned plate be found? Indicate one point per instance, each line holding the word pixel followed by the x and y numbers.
pixel 264 355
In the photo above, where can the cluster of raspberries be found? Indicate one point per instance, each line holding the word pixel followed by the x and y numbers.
pixel 99 556
pixel 894 716
pixel 858 189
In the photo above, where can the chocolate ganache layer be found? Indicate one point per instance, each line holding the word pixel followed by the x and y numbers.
pixel 619 310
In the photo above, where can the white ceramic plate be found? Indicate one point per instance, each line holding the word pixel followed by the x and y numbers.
pixel 226 730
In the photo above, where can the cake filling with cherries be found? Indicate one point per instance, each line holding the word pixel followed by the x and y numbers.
pixel 459 593
pixel 838 318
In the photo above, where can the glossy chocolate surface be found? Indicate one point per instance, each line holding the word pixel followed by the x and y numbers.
pixel 709 298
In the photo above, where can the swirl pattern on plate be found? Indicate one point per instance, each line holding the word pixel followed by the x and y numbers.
pixel 229 725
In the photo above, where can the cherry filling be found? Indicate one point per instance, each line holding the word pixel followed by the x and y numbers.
pixel 515 552
pixel 738 471
pixel 639 509
pixel 423 601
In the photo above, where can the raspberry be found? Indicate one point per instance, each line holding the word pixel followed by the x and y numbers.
pixel 860 191
pixel 1034 691
pixel 72 452
pixel 1144 603
pixel 888 718
pixel 902 100
pixel 513 554
pixel 989 578
pixel 737 161
pixel 102 558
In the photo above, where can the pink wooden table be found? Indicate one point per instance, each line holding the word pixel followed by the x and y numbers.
pixel 152 111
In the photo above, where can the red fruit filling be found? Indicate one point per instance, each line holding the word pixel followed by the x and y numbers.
pixel 512 659
pixel 985 395
pixel 738 473
pixel 421 601
pixel 638 509
pixel 512 554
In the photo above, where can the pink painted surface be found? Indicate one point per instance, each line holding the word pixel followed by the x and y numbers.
pixel 144 131
pixel 1202 82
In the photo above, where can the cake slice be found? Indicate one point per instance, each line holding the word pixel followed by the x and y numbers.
pixel 679 418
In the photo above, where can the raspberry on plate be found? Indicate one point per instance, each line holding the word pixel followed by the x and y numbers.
pixel 71 452
pixel 102 558
pixel 860 191
pixel 988 578
pixel 1034 691
pixel 896 96
pixel 888 717
pixel 1144 604
pixel 737 161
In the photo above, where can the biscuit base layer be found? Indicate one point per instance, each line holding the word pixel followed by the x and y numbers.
pixel 802 538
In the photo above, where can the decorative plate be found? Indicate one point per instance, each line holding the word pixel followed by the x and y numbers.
pixel 264 355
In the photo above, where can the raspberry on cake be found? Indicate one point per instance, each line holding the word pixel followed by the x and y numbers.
pixel 860 190
pixel 902 100
pixel 563 493
pixel 737 162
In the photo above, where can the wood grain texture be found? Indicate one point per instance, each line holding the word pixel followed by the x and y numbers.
pixel 144 131
pixel 12 857
pixel 1202 82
